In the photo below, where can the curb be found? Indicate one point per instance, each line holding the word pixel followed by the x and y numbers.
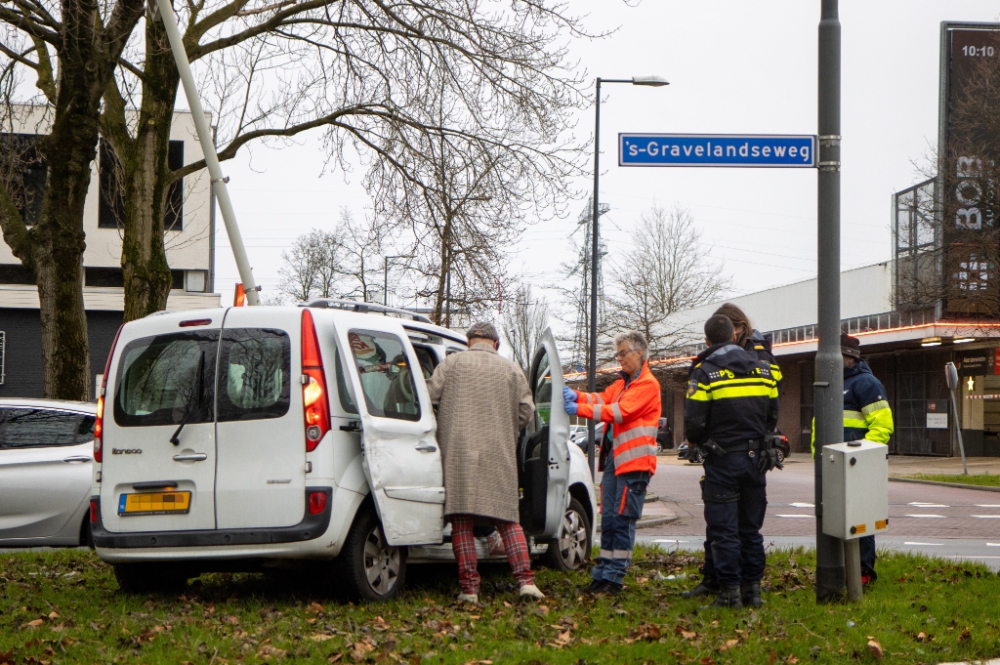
pixel 918 481
pixel 647 522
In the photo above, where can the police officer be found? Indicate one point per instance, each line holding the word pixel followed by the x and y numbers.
pixel 866 416
pixel 731 404
pixel 759 346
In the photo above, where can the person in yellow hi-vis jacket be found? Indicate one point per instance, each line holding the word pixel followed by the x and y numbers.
pixel 866 416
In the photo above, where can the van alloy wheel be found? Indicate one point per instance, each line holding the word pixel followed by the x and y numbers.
pixel 382 562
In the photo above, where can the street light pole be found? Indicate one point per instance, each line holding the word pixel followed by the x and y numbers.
pixel 385 275
pixel 652 81
pixel 829 383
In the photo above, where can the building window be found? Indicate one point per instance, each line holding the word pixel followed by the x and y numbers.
pixel 23 171
pixel 114 278
pixel 15 273
pixel 112 202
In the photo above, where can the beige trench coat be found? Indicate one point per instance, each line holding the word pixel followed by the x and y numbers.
pixel 483 402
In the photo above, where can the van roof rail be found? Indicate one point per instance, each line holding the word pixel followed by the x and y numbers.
pixel 364 308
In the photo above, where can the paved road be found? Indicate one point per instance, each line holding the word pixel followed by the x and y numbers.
pixel 948 522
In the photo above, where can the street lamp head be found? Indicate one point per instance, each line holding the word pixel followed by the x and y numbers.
pixel 652 81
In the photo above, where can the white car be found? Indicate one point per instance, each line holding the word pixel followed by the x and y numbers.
pixel 46 447
pixel 252 437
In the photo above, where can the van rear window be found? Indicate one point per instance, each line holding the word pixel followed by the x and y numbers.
pixel 167 380
pixel 254 374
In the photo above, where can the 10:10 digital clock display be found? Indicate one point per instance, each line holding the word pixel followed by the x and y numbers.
pixel 981 51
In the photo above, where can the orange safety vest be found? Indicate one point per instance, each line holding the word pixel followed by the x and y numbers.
pixel 635 412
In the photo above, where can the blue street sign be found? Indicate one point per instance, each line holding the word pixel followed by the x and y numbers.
pixel 749 150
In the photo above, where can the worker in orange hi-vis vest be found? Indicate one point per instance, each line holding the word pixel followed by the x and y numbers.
pixel 630 408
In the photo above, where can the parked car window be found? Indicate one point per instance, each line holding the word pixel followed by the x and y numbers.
pixel 542 388
pixel 33 428
pixel 386 377
pixel 254 374
pixel 167 380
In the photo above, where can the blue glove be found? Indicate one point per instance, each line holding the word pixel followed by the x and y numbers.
pixel 569 395
pixel 570 408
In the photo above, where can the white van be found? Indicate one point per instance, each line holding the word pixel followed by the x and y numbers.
pixel 254 438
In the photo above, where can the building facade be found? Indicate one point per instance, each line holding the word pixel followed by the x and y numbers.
pixel 190 246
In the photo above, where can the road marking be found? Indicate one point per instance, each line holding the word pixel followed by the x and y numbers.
pixel 918 504
pixel 925 544
pixel 992 544
pixel 941 516
pixel 808 516
pixel 987 517
pixel 969 556
pixel 662 540
pixel 798 504
pixel 988 505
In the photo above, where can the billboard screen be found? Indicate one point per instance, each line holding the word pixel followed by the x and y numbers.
pixel 968 159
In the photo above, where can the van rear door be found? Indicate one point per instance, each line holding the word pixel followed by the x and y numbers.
pixel 159 434
pixel 402 459
pixel 261 465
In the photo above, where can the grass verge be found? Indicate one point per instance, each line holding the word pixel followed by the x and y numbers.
pixel 64 607
pixel 983 479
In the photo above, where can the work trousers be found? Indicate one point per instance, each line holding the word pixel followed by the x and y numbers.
pixel 867 547
pixel 463 544
pixel 622 498
pixel 735 497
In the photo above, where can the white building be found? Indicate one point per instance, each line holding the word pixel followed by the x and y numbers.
pixel 190 252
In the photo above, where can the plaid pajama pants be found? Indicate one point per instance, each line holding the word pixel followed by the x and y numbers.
pixel 463 544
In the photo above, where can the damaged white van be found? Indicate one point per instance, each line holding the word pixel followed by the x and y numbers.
pixel 258 438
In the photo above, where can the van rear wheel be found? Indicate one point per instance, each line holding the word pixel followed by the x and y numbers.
pixel 370 569
pixel 149 578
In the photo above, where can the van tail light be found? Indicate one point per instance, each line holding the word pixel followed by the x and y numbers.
pixel 99 416
pixel 317 502
pixel 93 510
pixel 315 403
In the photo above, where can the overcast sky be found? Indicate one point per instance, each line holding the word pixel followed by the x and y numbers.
pixel 734 67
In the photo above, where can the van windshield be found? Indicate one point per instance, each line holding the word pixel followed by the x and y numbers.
pixel 167 379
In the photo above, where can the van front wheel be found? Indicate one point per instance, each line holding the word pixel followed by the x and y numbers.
pixel 370 569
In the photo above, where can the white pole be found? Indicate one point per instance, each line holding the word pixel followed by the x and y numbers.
pixel 208 147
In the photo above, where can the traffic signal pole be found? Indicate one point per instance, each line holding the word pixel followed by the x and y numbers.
pixel 828 387
pixel 166 11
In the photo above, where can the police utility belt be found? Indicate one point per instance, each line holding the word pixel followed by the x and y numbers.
pixel 750 445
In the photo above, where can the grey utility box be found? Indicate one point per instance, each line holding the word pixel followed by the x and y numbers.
pixel 855 489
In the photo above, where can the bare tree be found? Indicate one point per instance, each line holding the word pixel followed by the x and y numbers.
pixel 71 49
pixel 315 267
pixel 667 271
pixel 525 320
pixel 365 246
pixel 368 74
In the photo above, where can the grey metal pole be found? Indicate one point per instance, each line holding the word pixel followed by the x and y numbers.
pixel 208 147
pixel 385 280
pixel 592 368
pixel 958 431
pixel 829 383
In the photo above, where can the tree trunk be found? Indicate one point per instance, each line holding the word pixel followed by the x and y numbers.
pixel 147 179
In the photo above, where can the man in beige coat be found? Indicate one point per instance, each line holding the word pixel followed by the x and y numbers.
pixel 482 401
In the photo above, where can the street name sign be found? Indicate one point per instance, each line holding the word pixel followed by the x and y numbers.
pixel 719 150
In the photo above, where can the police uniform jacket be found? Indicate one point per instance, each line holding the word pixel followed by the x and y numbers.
pixel 731 398
pixel 866 411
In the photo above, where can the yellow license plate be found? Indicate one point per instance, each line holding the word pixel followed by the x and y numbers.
pixel 154 503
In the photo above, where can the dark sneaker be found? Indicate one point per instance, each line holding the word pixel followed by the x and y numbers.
pixel 613 588
pixel 729 597
pixel 750 594
pixel 596 587
pixel 705 588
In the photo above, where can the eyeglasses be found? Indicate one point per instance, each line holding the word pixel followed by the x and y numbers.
pixel 621 354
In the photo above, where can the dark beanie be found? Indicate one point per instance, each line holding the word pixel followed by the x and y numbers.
pixel 850 346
